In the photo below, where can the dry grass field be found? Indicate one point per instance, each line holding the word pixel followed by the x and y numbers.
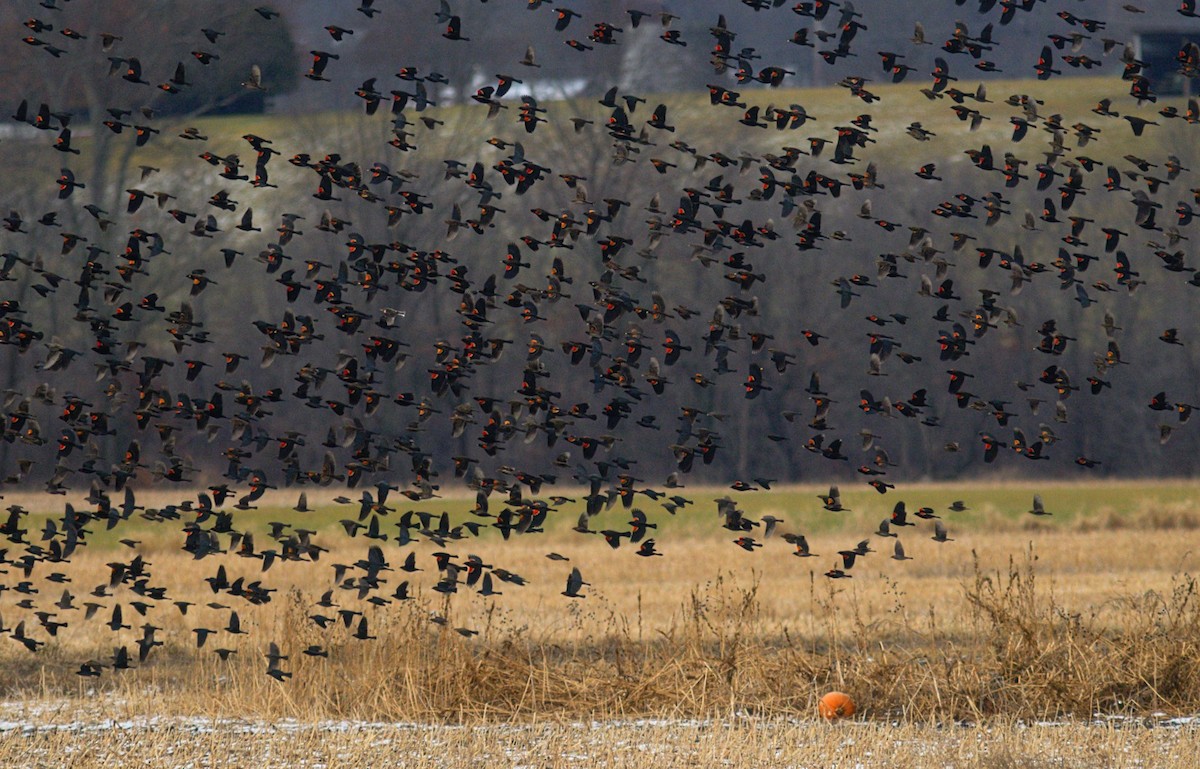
pixel 1023 642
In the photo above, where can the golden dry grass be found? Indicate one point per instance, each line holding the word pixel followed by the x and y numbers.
pixel 1092 611
pixel 1018 618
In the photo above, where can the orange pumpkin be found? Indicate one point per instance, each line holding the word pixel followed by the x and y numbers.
pixel 835 705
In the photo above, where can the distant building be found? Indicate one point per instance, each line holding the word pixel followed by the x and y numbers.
pixel 1159 49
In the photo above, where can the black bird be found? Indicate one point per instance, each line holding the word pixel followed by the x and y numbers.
pixel 574 584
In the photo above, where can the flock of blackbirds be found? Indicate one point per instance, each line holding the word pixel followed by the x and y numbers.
pixel 626 364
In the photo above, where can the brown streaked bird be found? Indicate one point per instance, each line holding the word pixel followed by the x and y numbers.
pixel 254 81
pixel 939 532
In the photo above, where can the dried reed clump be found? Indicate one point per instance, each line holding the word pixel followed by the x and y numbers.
pixel 1132 655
